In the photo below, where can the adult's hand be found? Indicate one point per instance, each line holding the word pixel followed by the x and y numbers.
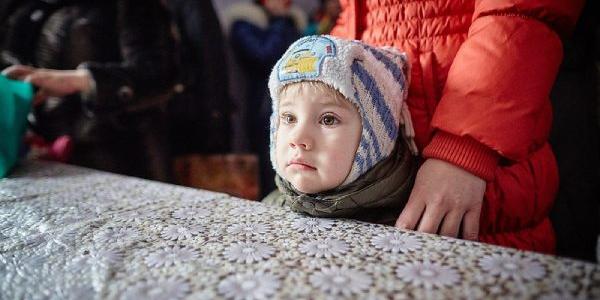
pixel 56 83
pixel 444 197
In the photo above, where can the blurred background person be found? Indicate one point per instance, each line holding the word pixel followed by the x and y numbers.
pixel 103 72
pixel 259 32
pixel 323 19
pixel 199 112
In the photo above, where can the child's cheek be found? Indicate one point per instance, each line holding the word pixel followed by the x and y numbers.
pixel 279 153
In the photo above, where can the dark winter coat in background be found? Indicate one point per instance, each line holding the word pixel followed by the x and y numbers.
pixel 199 113
pixel 127 46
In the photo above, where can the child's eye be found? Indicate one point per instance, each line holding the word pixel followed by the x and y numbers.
pixel 329 120
pixel 288 118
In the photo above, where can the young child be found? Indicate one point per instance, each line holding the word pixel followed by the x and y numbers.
pixel 341 134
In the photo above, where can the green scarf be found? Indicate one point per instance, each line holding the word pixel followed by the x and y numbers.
pixel 377 196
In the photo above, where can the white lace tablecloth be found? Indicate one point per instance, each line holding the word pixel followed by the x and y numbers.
pixel 74 233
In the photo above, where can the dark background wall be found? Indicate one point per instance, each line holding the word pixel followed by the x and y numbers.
pixel 575 139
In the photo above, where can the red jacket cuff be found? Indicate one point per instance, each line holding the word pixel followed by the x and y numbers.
pixel 464 152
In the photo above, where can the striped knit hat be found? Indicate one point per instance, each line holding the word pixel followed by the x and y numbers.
pixel 375 80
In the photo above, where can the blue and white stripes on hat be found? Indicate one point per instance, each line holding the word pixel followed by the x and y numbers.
pixel 375 80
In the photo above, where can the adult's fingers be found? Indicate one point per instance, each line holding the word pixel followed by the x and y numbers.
pixel 432 218
pixel 18 72
pixel 36 78
pixel 411 213
pixel 43 82
pixel 451 223
pixel 470 227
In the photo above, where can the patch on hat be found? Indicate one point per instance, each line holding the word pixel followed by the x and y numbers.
pixel 306 59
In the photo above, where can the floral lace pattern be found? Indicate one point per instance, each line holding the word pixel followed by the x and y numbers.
pixel 74 233
pixel 170 256
pixel 428 274
pixel 248 252
pixel 341 281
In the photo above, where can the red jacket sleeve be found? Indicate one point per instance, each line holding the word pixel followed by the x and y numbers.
pixel 496 98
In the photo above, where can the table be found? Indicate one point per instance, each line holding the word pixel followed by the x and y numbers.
pixel 75 233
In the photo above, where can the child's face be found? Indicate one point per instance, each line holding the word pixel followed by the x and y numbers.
pixel 317 138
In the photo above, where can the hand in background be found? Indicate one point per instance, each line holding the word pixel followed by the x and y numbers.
pixel 444 197
pixel 51 83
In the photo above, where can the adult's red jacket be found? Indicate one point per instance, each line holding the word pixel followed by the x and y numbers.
pixel 482 71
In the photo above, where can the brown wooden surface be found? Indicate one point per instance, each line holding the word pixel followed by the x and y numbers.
pixel 234 174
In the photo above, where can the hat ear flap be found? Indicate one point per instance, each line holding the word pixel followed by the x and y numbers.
pixel 393 74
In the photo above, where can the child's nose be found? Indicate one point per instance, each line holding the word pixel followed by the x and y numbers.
pixel 303 145
pixel 301 138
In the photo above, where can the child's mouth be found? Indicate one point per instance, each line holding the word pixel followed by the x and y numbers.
pixel 300 165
